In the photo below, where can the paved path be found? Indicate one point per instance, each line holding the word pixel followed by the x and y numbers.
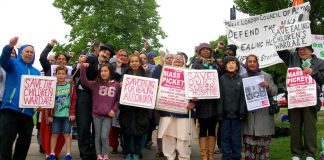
pixel 33 153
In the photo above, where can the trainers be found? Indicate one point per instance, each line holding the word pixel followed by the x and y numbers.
pixel 129 157
pixel 68 157
pixel 295 158
pixel 310 158
pixel 136 157
pixel 51 157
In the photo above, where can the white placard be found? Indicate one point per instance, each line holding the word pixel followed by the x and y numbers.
pixel 53 71
pixel 318 45
pixel 139 91
pixel 37 91
pixel 202 84
pixel 301 89
pixel 171 95
pixel 256 97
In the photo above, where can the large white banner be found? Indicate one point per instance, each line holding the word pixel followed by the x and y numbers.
pixel 171 95
pixel 138 91
pixel 256 97
pixel 301 89
pixel 37 91
pixel 254 35
pixel 318 45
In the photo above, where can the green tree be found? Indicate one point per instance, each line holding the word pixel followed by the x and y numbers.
pixel 214 43
pixel 121 23
pixel 256 7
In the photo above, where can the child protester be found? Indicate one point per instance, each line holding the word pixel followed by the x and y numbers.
pixel 105 98
pixel 63 112
pixel 232 109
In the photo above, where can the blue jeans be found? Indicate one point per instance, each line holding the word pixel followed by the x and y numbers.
pixel 61 124
pixel 231 139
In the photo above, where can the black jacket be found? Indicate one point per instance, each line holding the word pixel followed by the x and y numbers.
pixel 317 65
pixel 232 103
pixel 43 60
pixel 134 120
pixel 205 108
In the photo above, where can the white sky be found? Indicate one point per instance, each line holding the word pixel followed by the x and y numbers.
pixel 186 22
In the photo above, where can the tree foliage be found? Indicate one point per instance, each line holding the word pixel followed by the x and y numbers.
pixel 121 23
pixel 256 7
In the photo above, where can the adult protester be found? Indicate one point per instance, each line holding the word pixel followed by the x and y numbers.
pixel 166 60
pixel 84 119
pixel 303 133
pixel 95 49
pixel 134 121
pixel 51 59
pixel 206 108
pixel 45 125
pixel 151 63
pixel 121 65
pixel 16 123
pixel 230 50
pixel 174 127
pixel 259 124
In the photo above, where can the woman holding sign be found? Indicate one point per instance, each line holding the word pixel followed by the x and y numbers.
pixel 134 121
pixel 16 121
pixel 174 127
pixel 206 109
pixel 304 118
pixel 259 125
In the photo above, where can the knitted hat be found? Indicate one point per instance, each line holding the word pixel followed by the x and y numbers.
pixel 203 45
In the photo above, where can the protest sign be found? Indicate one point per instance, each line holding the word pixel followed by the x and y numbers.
pixel 37 91
pixel 157 60
pixel 171 95
pixel 318 45
pixel 53 71
pixel 254 35
pixel 201 84
pixel 322 98
pixel 139 91
pixel 256 97
pixel 292 36
pixel 301 89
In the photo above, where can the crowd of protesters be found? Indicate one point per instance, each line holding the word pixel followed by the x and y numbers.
pixel 91 98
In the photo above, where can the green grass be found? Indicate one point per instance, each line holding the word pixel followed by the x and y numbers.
pixel 280 147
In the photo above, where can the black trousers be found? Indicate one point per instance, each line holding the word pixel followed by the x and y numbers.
pixel 12 124
pixel 207 126
pixel 85 125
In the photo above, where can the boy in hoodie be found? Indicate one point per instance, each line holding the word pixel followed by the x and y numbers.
pixel 14 120
pixel 231 109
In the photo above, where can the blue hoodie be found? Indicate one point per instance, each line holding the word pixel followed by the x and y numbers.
pixel 14 69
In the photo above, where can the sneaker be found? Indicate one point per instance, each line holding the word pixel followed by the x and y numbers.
pixel 114 151
pixel 129 157
pixel 51 157
pixel 68 157
pixel 310 158
pixel 136 157
pixel 295 158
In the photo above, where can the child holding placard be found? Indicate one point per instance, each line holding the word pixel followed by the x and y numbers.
pixel 63 112
pixel 231 109
pixel 105 98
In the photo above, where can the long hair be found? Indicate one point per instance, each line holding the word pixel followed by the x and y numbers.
pixel 62 53
pixel 111 73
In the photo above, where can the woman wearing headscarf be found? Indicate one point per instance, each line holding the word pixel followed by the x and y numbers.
pixel 174 127
pixel 259 125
